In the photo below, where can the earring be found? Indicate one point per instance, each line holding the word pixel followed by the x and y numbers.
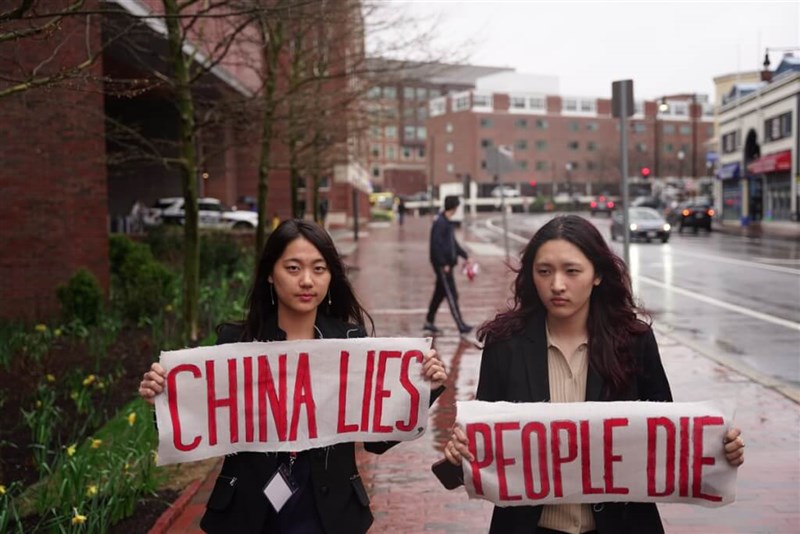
pixel 271 295
pixel 329 297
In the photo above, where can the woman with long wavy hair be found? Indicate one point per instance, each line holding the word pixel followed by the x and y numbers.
pixel 573 333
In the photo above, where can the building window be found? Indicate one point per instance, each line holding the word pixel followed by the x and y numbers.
pixel 406 152
pixel 376 172
pixel 486 122
pixel 422 133
pixel 518 102
pixel 521 144
pixel 390 92
pixel 438 106
pixel 668 147
pixel 541 166
pixel 448 127
pixel 710 131
pixel 591 165
pixel 579 105
pixel 592 126
pixel 591 146
pixel 422 113
pixel 573 145
pixel 669 128
pixel 537 103
pixel 521 123
pixel 541 145
pixel 541 124
pixel 421 152
pixel 375 131
pixel 408 93
pixel 574 126
pixel 486 143
pixel 730 142
pixel 523 165
pixel 481 101
pixel 409 133
pixel 375 150
pixel 483 164
pixel 449 148
pixel 422 93
pixel 391 132
pixel 451 168
pixel 408 112
pixel 639 127
pixel 460 101
pixel 391 152
pixel 641 148
pixel 374 93
pixel 570 104
pixel 778 127
pixel 434 93
pixel 685 130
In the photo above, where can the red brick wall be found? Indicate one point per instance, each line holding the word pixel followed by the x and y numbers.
pixel 52 177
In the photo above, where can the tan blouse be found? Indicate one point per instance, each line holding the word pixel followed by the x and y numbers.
pixel 567 384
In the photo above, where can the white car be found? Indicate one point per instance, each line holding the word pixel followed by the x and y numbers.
pixel 505 190
pixel 212 213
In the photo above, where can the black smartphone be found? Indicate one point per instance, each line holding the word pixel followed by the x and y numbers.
pixel 451 476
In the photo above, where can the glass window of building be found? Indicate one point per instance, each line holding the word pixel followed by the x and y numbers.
pixel 422 113
pixel 685 130
pixel 451 168
pixel 449 148
pixel 537 103
pixel 573 145
pixel 521 144
pixel 421 152
pixel 573 126
pixel 668 147
pixel 523 165
pixel 641 148
pixel 375 131
pixel 486 122
pixel 588 106
pixel 541 124
pixel 541 145
pixel 448 127
pixel 518 102
pixel 541 166
pixel 406 152
pixel 422 93
pixel 521 123
pixel 422 133
pixel 376 172
pixel 639 127
pixel 408 112
pixel 408 93
pixel 409 132
pixel 570 104
pixel 592 126
pixel 435 92
pixel 391 152
pixel 591 165
pixel 591 146
pixel 391 132
pixel 486 143
pixel 669 128
pixel 374 93
pixel 375 151
pixel 390 92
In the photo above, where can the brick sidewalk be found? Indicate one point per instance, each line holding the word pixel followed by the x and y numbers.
pixel 392 275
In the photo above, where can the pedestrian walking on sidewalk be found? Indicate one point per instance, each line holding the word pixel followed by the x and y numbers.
pixel 573 331
pixel 300 292
pixel 444 253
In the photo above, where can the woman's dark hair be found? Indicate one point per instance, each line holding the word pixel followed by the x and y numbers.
pixel 612 317
pixel 344 304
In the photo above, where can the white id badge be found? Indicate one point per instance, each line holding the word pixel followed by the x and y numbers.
pixel 280 488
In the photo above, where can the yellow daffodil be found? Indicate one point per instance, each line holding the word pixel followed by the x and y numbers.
pixel 50 378
pixel 131 418
pixel 38 404
pixel 168 308
pixel 71 450
pixel 41 327
pixel 73 395
pixel 2 490
pixel 91 491
pixel 96 443
pixel 155 457
pixel 89 380
pixel 126 466
pixel 57 332
pixel 78 519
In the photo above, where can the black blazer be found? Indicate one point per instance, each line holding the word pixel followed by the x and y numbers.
pixel 515 370
pixel 237 503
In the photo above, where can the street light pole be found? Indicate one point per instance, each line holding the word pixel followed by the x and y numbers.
pixel 681 155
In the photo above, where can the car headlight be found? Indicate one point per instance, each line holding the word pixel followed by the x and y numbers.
pixel 633 227
pixel 667 227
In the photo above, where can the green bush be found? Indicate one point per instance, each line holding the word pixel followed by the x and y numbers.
pixel 219 253
pixel 141 286
pixel 81 298
pixel 381 215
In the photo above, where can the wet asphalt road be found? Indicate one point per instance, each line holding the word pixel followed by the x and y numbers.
pixel 734 296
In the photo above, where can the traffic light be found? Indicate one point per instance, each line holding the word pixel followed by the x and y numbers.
pixel 533 183
pixel 645 172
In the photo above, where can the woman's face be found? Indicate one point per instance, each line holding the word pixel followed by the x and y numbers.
pixel 564 278
pixel 300 278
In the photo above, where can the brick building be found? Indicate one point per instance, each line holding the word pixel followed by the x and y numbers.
pixel 78 152
pixel 398 111
pixel 565 144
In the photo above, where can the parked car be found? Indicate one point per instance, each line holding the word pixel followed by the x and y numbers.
pixel 505 190
pixel 643 223
pixel 693 215
pixel 212 213
pixel 647 202
pixel 602 204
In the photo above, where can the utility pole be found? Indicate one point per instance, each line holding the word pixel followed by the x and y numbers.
pixel 622 107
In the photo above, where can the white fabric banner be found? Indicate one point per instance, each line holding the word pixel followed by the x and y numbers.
pixel 556 453
pixel 290 396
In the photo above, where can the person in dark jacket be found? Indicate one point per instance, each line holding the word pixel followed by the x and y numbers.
pixel 300 292
pixel 573 334
pixel 444 254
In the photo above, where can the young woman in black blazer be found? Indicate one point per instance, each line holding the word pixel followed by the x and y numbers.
pixel 300 292
pixel 573 310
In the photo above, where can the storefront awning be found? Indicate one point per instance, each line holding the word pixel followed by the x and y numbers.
pixel 728 171
pixel 775 162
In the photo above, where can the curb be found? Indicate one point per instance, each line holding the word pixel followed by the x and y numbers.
pixel 790 392
pixel 161 526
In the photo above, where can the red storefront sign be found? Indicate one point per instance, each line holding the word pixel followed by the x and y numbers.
pixel 776 162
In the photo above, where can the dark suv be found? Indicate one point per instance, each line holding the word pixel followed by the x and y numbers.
pixel 693 215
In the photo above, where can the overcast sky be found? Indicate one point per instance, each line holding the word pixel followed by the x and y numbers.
pixel 665 47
